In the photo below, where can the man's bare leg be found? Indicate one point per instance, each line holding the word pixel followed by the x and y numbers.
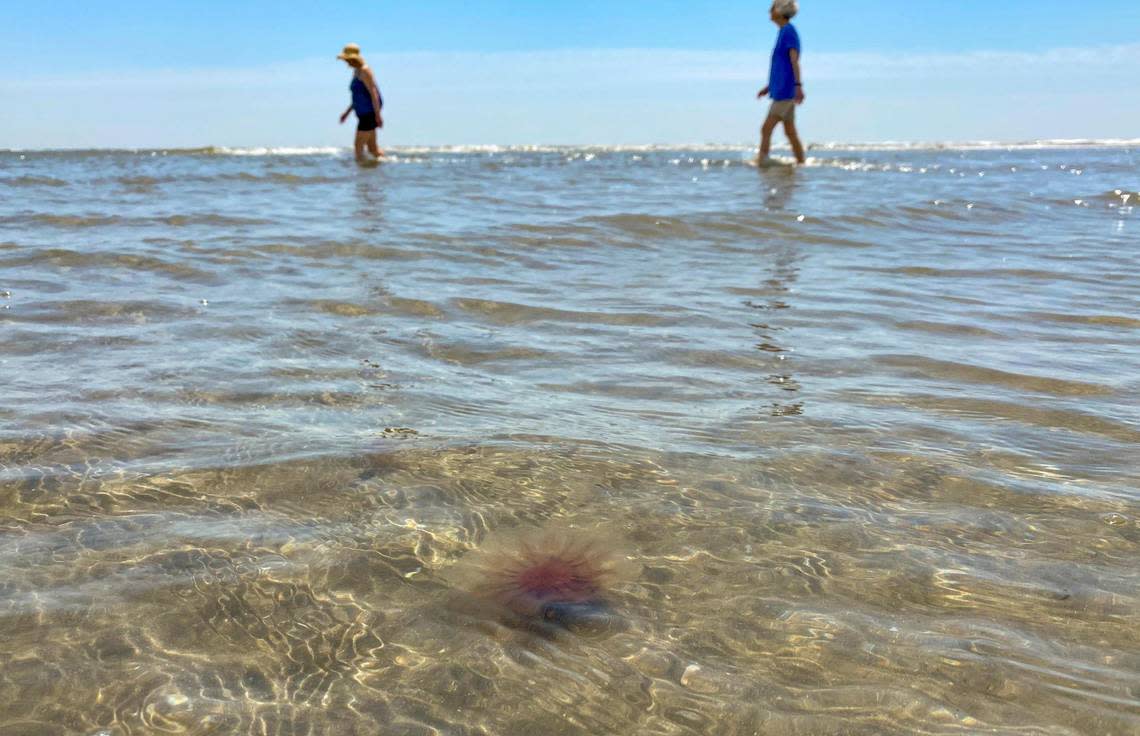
pixel 766 135
pixel 794 139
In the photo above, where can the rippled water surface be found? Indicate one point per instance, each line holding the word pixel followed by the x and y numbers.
pixel 866 435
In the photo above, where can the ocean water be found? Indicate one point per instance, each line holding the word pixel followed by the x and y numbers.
pixel 866 433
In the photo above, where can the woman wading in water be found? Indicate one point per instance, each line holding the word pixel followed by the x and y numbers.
pixel 366 102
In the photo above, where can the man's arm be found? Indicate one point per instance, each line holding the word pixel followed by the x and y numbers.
pixel 794 54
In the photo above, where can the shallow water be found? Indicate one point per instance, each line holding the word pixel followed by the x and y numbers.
pixel 867 433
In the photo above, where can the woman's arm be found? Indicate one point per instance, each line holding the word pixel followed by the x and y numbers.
pixel 370 82
pixel 344 115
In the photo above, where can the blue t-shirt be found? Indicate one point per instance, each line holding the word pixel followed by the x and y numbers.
pixel 781 79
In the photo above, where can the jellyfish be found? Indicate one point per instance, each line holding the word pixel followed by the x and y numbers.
pixel 547 581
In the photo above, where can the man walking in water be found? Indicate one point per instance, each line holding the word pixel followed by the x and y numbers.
pixel 784 82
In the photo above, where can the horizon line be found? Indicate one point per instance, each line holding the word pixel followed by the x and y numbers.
pixel 884 145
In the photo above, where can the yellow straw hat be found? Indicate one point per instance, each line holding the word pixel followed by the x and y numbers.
pixel 351 51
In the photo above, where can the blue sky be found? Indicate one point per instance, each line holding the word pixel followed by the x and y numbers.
pixel 262 73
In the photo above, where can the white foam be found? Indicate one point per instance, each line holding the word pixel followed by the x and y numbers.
pixel 582 150
pixel 1042 144
pixel 1047 143
pixel 280 151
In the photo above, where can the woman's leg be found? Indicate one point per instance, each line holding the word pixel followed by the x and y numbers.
pixel 360 142
pixel 373 146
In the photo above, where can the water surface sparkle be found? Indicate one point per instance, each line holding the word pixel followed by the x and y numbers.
pixel 866 433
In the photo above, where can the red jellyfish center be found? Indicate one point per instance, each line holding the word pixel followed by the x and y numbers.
pixel 555 579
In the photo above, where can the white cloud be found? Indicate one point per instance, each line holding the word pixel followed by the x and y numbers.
pixel 603 96
pixel 586 67
pixel 1114 61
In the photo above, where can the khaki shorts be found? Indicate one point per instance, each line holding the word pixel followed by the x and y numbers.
pixel 783 110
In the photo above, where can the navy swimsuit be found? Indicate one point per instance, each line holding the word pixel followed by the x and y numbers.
pixel 362 105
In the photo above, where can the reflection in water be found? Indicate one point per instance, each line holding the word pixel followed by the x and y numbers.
pixel 252 516
pixel 780 186
pixel 371 196
pixel 783 270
